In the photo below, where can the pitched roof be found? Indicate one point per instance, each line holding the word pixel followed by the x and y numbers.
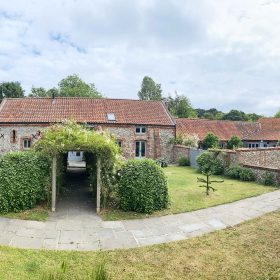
pixel 90 110
pixel 223 129
pixel 269 130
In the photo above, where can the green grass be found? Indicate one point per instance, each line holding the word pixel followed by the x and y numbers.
pixel 39 213
pixel 186 196
pixel 248 251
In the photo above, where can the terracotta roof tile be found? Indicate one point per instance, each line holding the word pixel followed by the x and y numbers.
pixel 46 110
pixel 225 129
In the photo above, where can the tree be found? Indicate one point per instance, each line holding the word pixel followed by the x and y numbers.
pixel 234 142
pixel 208 182
pixel 11 90
pixel 210 141
pixel 277 115
pixel 150 90
pixel 38 92
pixel 211 114
pixel 236 115
pixel 180 106
pixel 42 92
pixel 73 85
pixel 255 117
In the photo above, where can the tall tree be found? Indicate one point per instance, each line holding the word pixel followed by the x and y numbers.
pixel 150 90
pixel 180 106
pixel 73 85
pixel 277 115
pixel 11 90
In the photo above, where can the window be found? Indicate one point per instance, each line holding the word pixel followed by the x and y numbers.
pixel 26 143
pixel 14 136
pixel 78 154
pixel 140 149
pixel 111 117
pixel 140 129
pixel 222 145
pixel 119 143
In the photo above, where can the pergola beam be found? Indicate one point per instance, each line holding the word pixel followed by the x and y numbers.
pixel 54 165
pixel 98 184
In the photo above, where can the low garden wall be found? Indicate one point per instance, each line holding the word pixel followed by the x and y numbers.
pixel 266 157
pixel 179 151
pixel 260 172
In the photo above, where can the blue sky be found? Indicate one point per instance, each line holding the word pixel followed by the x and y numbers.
pixel 219 53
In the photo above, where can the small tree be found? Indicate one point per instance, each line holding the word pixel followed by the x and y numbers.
pixel 208 182
pixel 210 141
pixel 234 142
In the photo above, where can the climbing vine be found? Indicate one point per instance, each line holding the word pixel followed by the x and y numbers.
pixel 70 136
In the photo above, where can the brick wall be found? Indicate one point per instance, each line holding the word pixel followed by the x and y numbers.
pixel 157 138
pixel 180 151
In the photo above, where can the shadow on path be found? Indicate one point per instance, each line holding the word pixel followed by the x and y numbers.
pixel 76 196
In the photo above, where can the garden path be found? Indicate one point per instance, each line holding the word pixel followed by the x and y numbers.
pixel 84 230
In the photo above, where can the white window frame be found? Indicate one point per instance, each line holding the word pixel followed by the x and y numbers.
pixel 24 141
pixel 140 148
pixel 142 128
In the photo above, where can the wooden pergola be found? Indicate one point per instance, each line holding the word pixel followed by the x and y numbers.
pixel 70 136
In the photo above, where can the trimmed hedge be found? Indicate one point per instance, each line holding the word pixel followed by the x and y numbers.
pixel 208 162
pixel 241 173
pixel 23 180
pixel 142 187
pixel 183 161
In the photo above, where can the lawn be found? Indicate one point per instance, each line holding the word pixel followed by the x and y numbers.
pixel 185 195
pixel 39 213
pixel 248 251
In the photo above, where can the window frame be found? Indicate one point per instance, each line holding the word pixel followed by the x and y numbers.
pixel 142 129
pixel 140 147
pixel 24 140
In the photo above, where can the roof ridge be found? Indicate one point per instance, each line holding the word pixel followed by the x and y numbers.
pixel 82 97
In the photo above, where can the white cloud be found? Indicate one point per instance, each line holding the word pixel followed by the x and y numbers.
pixel 220 54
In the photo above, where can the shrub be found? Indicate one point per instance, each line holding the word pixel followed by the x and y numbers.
pixel 234 142
pixel 183 161
pixel 23 180
pixel 247 175
pixel 233 172
pixel 142 187
pixel 241 173
pixel 210 141
pixel 208 162
pixel 268 179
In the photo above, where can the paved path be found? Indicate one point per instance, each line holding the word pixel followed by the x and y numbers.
pixel 73 229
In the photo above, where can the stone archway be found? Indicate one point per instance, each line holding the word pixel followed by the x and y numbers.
pixel 68 136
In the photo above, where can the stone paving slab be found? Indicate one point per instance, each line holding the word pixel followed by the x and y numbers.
pixel 76 229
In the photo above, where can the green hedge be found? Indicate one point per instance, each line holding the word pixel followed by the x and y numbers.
pixel 142 187
pixel 183 161
pixel 241 173
pixel 23 180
